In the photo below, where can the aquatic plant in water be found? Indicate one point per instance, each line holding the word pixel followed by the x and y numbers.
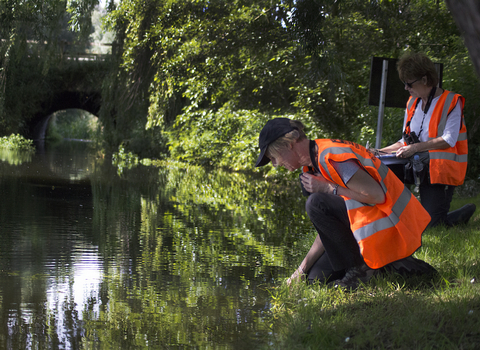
pixel 16 142
pixel 122 159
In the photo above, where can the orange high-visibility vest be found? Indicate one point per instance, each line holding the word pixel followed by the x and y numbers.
pixel 385 232
pixel 447 166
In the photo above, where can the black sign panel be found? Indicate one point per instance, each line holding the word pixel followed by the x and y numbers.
pixel 396 95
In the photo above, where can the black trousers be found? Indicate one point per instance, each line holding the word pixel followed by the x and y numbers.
pixel 436 200
pixel 328 214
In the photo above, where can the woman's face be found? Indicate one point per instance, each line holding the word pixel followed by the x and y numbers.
pixel 417 87
pixel 286 158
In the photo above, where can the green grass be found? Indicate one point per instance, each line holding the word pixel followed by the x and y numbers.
pixel 391 312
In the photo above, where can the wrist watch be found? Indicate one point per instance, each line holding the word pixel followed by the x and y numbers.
pixel 335 189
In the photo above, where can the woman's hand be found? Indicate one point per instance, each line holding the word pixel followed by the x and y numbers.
pixel 316 183
pixel 407 151
pixel 410 150
pixel 391 149
pixel 362 187
pixel 298 275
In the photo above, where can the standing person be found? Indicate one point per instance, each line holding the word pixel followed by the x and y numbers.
pixel 434 124
pixel 364 215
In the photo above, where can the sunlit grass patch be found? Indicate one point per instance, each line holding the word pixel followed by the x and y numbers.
pixel 380 316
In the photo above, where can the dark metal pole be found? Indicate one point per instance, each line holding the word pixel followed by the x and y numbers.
pixel 381 107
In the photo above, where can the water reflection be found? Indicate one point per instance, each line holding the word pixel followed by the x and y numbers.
pixel 15 157
pixel 161 257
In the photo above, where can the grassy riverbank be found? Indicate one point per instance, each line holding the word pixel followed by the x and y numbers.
pixel 389 312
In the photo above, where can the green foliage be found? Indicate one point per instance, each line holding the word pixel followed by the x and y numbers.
pixel 73 124
pixel 460 77
pixel 124 160
pixel 15 149
pixel 223 138
pixel 201 63
pixel 226 137
pixel 80 16
pixel 16 142
pixel 197 57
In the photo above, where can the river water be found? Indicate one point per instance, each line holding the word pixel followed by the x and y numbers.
pixel 151 257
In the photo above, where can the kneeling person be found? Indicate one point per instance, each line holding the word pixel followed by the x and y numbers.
pixel 364 215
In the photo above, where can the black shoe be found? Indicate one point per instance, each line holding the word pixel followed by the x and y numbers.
pixel 354 276
pixel 462 215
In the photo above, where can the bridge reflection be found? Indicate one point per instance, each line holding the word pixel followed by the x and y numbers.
pixel 65 168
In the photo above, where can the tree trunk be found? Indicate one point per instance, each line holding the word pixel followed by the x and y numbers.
pixel 466 14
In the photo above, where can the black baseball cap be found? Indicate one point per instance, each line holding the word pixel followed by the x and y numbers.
pixel 274 129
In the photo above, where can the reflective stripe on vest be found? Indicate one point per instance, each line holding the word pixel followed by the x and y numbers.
pixel 443 118
pixel 462 158
pixel 384 223
pixel 365 161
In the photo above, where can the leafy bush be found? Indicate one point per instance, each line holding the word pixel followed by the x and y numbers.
pixel 16 142
pixel 226 138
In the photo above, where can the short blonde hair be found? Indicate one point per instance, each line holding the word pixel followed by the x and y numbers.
pixel 283 143
pixel 413 66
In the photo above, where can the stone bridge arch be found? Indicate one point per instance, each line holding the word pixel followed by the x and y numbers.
pixel 88 101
